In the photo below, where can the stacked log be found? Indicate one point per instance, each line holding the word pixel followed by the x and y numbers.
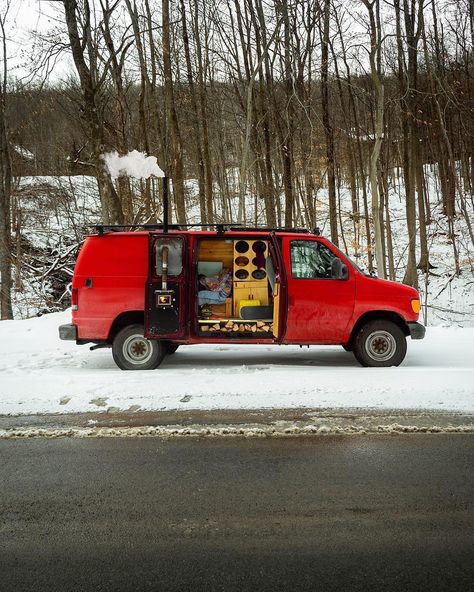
pixel 238 327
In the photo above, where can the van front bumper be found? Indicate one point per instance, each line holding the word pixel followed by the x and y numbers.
pixel 417 330
pixel 68 332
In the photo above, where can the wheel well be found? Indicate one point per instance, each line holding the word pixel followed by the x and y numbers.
pixel 131 317
pixel 379 315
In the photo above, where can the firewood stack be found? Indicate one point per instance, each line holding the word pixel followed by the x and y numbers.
pixel 238 327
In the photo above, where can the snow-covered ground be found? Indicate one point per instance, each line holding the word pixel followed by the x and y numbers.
pixel 41 374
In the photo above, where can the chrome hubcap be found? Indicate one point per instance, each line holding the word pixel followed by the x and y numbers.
pixel 137 349
pixel 380 346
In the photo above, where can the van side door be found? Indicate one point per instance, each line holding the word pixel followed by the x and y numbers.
pixel 276 277
pixel 319 306
pixel 165 292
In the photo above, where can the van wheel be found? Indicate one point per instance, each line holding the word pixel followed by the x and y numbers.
pixel 132 351
pixel 347 348
pixel 380 344
pixel 170 348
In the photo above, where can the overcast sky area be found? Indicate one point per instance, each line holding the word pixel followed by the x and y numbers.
pixel 32 26
pixel 27 21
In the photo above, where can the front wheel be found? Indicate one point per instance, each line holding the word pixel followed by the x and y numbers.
pixel 380 344
pixel 132 351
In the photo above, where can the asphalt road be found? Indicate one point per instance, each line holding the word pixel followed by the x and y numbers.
pixel 321 513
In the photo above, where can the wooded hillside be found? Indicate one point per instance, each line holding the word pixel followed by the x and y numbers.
pixel 285 102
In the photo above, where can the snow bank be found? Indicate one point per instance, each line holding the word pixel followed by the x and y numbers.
pixel 40 374
pixel 225 431
pixel 134 164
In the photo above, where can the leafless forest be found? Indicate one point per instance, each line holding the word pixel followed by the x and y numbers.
pixel 283 102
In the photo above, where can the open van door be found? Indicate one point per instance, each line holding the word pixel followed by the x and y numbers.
pixel 165 295
pixel 275 275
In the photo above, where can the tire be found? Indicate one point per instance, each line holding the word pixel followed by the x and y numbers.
pixel 170 348
pixel 347 348
pixel 132 351
pixel 380 344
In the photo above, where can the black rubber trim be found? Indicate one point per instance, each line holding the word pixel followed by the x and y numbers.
pixel 417 330
pixel 68 332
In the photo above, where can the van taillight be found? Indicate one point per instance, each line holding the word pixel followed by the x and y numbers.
pixel 74 299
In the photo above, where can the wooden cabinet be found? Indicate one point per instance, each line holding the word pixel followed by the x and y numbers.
pixel 249 291
pixel 250 280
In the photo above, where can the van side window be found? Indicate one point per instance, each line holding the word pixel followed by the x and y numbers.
pixel 310 260
pixel 175 255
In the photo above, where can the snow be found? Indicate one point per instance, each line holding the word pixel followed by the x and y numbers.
pixel 41 374
pixel 134 164
pixel 24 152
pixel 278 429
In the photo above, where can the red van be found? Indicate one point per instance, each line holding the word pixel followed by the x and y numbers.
pixel 145 293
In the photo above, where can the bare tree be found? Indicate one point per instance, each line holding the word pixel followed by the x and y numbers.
pixel 5 184
pixel 327 123
pixel 375 56
pixel 84 53
pixel 173 145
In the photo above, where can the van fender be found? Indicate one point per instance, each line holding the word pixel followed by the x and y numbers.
pixel 129 317
pixel 372 315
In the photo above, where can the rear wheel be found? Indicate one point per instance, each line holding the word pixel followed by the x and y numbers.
pixel 380 343
pixel 132 351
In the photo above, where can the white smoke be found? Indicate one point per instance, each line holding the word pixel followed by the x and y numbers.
pixel 134 164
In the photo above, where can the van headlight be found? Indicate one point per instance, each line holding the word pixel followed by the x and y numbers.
pixel 415 305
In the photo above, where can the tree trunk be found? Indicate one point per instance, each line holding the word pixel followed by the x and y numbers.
pixel 111 207
pixel 174 145
pixel 327 124
pixel 375 58
pixel 197 124
pixel 5 213
pixel 206 151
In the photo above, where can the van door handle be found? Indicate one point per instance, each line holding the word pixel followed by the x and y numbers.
pixel 89 283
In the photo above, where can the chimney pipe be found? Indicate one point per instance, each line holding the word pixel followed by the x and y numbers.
pixel 165 203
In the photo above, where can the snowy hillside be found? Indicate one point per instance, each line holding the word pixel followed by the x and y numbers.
pixel 57 212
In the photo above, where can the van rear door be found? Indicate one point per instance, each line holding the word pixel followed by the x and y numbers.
pixel 165 296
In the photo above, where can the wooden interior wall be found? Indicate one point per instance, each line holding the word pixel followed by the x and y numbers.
pixel 217 250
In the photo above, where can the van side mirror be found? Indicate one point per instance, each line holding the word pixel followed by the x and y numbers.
pixel 339 270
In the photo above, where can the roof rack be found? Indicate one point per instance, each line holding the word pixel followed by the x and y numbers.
pixel 220 227
pixel 104 228
pixel 266 229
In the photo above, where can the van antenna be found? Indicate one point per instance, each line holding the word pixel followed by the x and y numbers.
pixel 165 204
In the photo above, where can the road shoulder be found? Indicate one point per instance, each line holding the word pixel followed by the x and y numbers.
pixel 248 423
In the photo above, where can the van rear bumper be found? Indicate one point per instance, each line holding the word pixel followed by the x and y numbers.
pixel 68 332
pixel 417 330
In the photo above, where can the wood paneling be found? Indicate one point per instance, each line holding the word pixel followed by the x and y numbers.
pixel 249 288
pixel 217 250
